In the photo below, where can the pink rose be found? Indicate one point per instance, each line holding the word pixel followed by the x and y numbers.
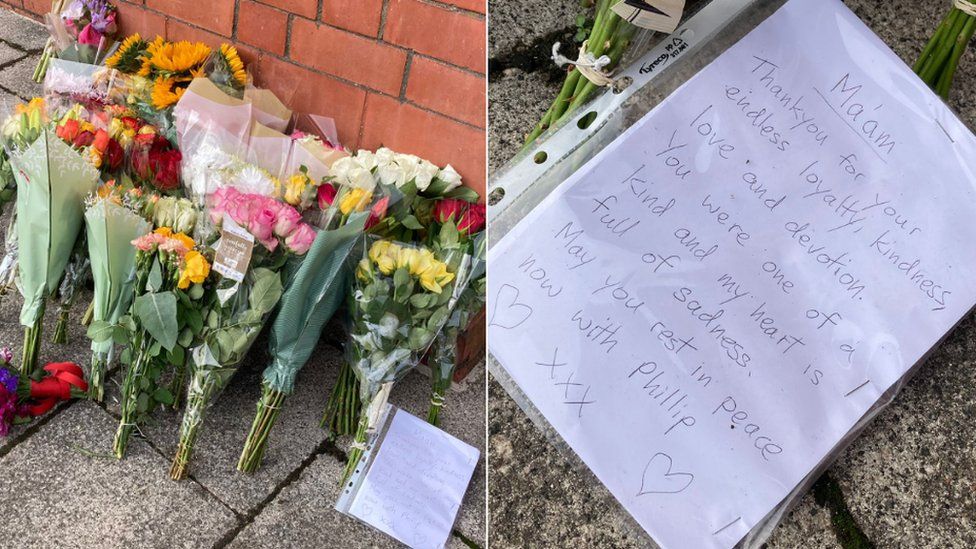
pixel 89 36
pixel 288 220
pixel 262 224
pixel 301 239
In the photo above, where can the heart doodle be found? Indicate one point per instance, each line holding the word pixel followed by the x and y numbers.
pixel 507 312
pixel 658 478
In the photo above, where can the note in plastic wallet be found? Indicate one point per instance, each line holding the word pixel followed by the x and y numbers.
pixel 410 481
pixel 708 308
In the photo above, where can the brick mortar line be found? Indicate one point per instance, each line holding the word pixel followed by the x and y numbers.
pixel 352 83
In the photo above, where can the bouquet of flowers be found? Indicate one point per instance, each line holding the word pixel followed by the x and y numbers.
pixel 455 233
pixel 258 235
pixel 52 182
pixel 402 295
pixel 22 398
pixel 114 218
pixel 159 72
pixel 314 293
pixel 167 311
pixel 416 185
pixel 82 30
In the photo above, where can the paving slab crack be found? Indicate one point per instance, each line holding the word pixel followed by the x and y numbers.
pixel 326 447
pixel 533 57
pixel 829 495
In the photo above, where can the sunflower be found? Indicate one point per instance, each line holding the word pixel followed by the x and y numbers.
pixel 234 64
pixel 151 50
pixel 128 58
pixel 166 92
pixel 177 58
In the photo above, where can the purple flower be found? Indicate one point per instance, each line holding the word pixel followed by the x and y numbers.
pixel 8 410
pixel 9 380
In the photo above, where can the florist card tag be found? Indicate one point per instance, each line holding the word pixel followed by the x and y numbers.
pixel 708 307
pixel 659 15
pixel 411 482
pixel 233 252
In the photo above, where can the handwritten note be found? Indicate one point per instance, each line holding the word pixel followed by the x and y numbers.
pixel 414 487
pixel 709 305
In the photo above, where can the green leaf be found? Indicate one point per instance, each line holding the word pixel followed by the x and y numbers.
pixel 401 277
pixel 266 291
pixel 157 314
pixel 419 338
pixel 186 338
pixel 411 222
pixel 155 282
pixel 437 319
pixel 464 193
pixel 163 396
pixel 194 319
pixel 100 331
pixel 142 403
pixel 176 356
pixel 420 301
pixel 196 291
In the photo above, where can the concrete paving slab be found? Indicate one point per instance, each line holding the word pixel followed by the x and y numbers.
pixel 21 32
pixel 8 54
pixel 515 25
pixel 302 516
pixel 88 498
pixel 17 78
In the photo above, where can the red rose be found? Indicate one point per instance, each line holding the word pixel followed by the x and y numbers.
pixel 166 165
pixel 449 209
pixel 101 141
pixel 69 130
pixel 377 212
pixel 327 194
pixel 473 220
pixel 84 139
pixel 114 156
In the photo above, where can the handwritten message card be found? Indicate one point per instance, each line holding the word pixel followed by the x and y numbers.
pixel 710 304
pixel 414 487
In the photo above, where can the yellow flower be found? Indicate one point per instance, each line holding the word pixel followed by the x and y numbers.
pixel 35 105
pixel 174 58
pixel 195 270
pixel 128 57
pixel 234 63
pixel 386 265
pixel 355 200
pixel 164 231
pixel 155 46
pixel 364 270
pixel 295 188
pixel 185 240
pixel 435 276
pixel 166 93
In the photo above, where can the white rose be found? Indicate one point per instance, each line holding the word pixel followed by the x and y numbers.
pixel 361 178
pixel 341 168
pixel 393 174
pixel 450 177
pixel 384 156
pixel 426 172
pixel 366 159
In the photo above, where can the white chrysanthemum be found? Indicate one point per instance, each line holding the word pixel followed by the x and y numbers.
pixel 252 179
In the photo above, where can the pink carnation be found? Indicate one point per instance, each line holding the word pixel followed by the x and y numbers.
pixel 147 242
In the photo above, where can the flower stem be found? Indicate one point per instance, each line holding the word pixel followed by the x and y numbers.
pixel 342 410
pixel 32 341
pixel 129 399
pixel 356 452
pixel 89 315
pixel 96 377
pixel 257 440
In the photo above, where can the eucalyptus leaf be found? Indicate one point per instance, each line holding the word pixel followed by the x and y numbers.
pixel 155 281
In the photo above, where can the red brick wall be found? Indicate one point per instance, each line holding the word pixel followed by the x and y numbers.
pixel 406 74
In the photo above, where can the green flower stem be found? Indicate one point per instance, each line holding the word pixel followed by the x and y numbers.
pixel 96 377
pixel 89 315
pixel 32 343
pixel 178 383
pixel 939 60
pixel 129 399
pixel 342 410
pixel 257 440
pixel 356 453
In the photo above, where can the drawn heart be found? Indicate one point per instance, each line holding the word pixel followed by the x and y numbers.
pixel 508 313
pixel 658 478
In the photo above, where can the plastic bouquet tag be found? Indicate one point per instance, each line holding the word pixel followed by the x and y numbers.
pixel 410 481
pixel 659 15
pixel 233 252
pixel 707 310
